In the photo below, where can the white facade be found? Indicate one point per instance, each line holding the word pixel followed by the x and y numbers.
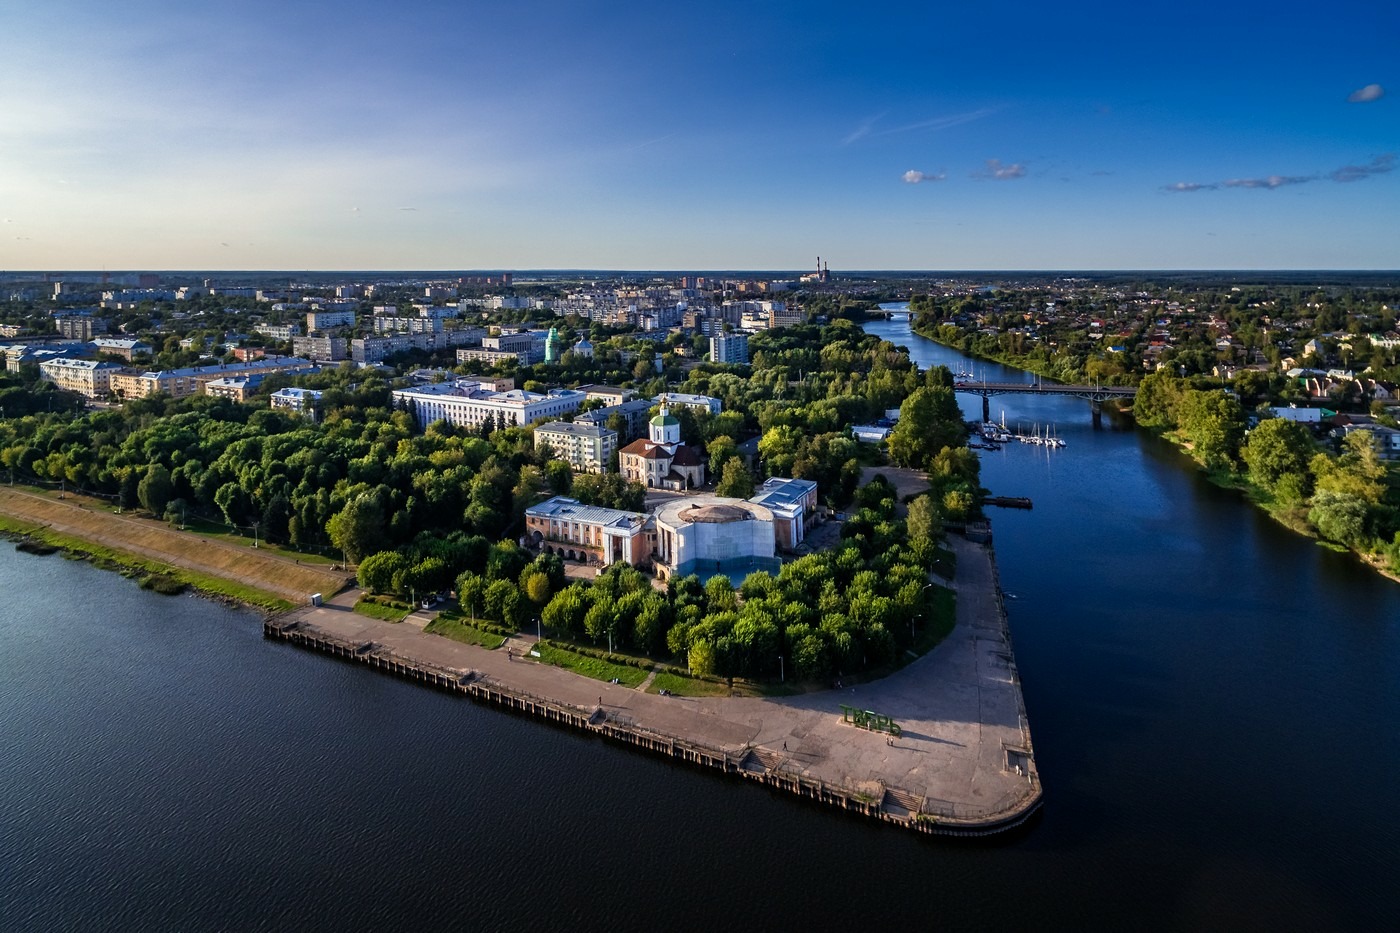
pixel 466 405
pixel 586 447
pixel 86 377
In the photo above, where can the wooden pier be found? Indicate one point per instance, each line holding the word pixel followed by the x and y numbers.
pixel 761 766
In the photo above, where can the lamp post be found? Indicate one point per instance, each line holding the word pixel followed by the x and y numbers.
pixel 255 534
pixel 782 670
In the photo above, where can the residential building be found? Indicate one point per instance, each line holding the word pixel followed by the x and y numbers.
pixel 730 348
pixel 178 383
pixel 698 402
pixel 238 388
pixel 278 331
pixel 325 320
pixel 300 401
pixel 635 413
pixel 585 447
pixel 613 395
pixel 85 377
pixel 124 347
pixel 322 349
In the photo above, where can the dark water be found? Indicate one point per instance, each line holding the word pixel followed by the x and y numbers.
pixel 1213 702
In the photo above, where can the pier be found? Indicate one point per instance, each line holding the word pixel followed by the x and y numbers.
pixel 960 763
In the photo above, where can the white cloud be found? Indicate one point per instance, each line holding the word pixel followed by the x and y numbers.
pixel 1189 186
pixel 996 170
pixel 914 176
pixel 1366 94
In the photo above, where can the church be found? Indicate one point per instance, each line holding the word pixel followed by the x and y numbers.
pixel 661 460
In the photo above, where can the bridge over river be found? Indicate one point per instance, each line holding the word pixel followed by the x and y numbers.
pixel 1096 395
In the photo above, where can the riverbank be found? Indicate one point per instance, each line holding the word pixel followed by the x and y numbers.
pixel 963 762
pixel 86 528
pixel 1284 515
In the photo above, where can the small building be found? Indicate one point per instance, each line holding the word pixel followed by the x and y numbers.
pixel 300 401
pixel 661 460
pixel 792 502
pixel 238 388
pixel 612 395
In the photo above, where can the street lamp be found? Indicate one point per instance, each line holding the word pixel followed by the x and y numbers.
pixel 782 670
pixel 255 534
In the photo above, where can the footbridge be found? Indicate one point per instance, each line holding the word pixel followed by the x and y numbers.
pixel 1095 395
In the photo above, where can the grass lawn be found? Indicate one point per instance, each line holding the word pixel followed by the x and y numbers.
pixel 683 686
pixel 591 667
pixel 378 611
pixel 457 630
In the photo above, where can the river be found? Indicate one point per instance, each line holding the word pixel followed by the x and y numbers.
pixel 1212 698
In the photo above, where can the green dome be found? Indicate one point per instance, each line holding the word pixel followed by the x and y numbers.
pixel 663 421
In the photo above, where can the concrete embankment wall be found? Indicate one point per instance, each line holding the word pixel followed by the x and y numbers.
pixel 748 764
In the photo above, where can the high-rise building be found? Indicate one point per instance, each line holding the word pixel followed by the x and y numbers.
pixel 729 348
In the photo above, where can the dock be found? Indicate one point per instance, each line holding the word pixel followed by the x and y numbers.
pixel 962 763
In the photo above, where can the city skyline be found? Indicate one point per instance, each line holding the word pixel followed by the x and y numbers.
pixel 547 136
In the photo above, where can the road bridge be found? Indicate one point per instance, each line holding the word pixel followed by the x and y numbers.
pixel 1095 395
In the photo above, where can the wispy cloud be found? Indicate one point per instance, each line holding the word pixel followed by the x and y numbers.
pixel 1272 181
pixel 1377 166
pixel 862 130
pixel 915 177
pixel 867 127
pixel 1189 186
pixel 1366 94
pixel 408 208
pixel 996 170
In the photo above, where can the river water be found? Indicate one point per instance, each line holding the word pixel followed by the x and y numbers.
pixel 1212 699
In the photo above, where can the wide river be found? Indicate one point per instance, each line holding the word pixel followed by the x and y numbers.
pixel 1213 700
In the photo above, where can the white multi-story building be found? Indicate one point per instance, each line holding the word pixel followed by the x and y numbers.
pixel 466 404
pixel 86 377
pixel 586 447
pixel 729 348
pixel 278 331
pixel 698 402
pixel 325 320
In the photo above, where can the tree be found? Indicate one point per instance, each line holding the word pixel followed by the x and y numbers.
pixel 358 529
pixel 1214 424
pixel 155 489
pixel 1156 402
pixel 1275 449
pixel 929 420
pixel 1340 517
pixel 377 571
pixel 736 481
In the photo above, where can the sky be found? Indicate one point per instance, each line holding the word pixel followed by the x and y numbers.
pixel 534 134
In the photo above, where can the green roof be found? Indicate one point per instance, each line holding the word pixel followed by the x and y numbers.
pixel 662 421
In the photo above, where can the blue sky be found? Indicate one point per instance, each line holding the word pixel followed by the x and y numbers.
pixel 300 135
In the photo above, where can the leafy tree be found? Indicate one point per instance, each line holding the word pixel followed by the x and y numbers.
pixel 1155 405
pixel 736 481
pixel 1340 517
pixel 377 571
pixel 929 420
pixel 358 528
pixel 155 489
pixel 1275 449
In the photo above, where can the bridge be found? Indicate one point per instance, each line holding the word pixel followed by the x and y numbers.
pixel 1096 395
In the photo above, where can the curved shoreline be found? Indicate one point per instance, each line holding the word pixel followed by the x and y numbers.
pixel 963 765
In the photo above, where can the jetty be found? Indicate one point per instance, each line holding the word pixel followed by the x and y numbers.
pixel 958 760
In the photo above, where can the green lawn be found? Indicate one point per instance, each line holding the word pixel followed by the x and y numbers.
pixel 378 611
pixel 457 630
pixel 591 667
pixel 683 686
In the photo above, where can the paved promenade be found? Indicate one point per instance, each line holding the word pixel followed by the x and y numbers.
pixel 965 747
